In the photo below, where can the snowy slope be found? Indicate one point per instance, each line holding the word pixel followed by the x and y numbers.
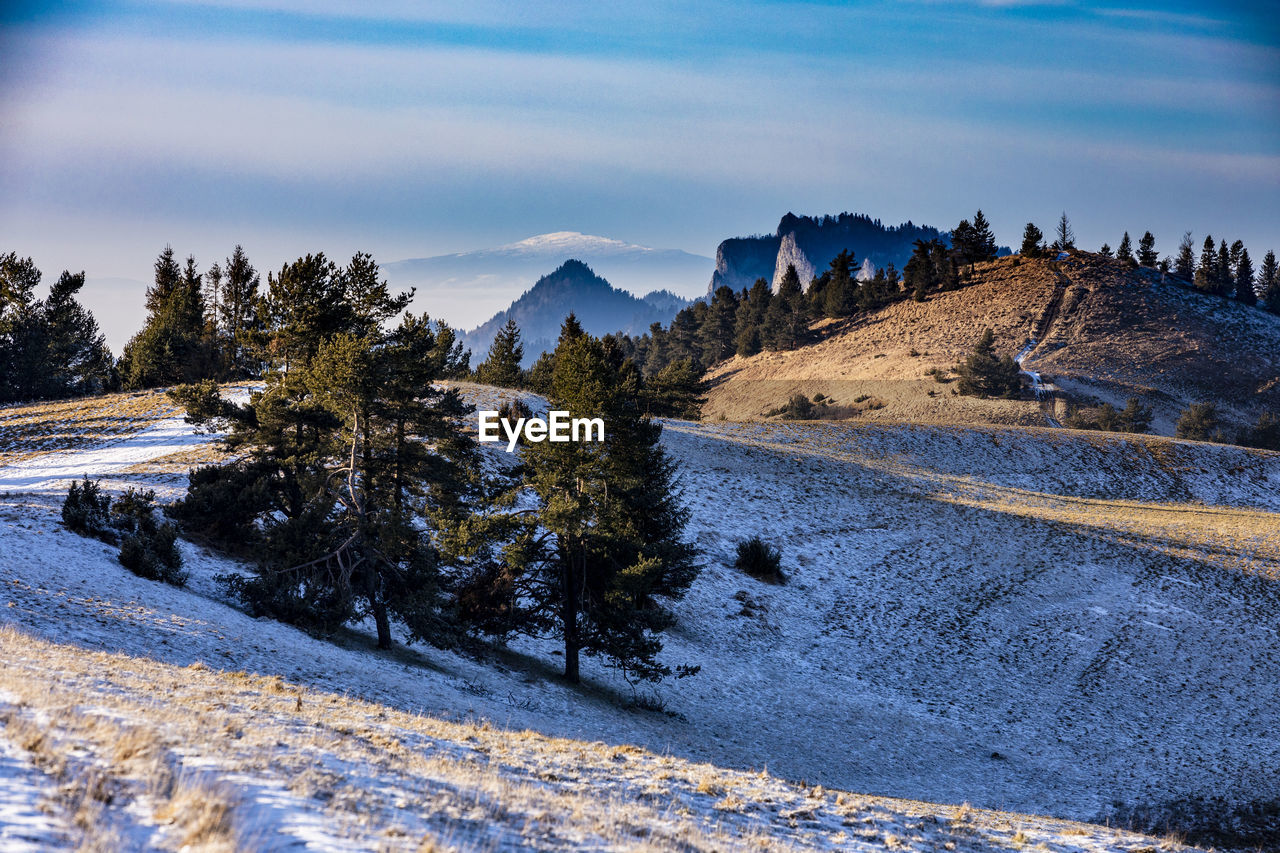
pixel 1039 620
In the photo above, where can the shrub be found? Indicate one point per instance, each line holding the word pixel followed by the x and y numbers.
pixel 798 408
pixel 85 511
pixel 1265 434
pixel 982 374
pixel 760 560
pixel 147 549
pixel 1198 422
pixel 514 409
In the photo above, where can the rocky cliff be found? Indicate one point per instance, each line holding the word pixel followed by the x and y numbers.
pixel 810 242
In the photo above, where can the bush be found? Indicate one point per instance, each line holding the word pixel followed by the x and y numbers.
pixel 798 408
pixel 1198 422
pixel 147 549
pixel 982 374
pixel 86 511
pixel 1265 434
pixel 760 560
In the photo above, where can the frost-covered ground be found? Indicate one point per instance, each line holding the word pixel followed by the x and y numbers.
pixel 1042 621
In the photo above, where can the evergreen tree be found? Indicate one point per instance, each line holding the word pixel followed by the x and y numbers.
pixel 1124 253
pixel 77 359
pixel 502 367
pixel 1185 266
pixel 1147 254
pixel 22 333
pixel 749 322
pixel 343 459
pixel 984 241
pixel 50 347
pixel 786 320
pixel 932 267
pixel 1135 417
pixel 1066 237
pixel 1207 270
pixel 1269 283
pixel 717 332
pixel 1105 251
pixel 1198 422
pixel 840 292
pixel 675 391
pixel 1225 279
pixel 1032 242
pixel 603 550
pixel 238 315
pixel 986 375
pixel 1244 279
pixel 172 346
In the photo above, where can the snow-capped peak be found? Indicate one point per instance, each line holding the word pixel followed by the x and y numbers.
pixel 573 241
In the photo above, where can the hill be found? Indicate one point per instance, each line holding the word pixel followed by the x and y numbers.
pixel 1068 623
pixel 810 242
pixel 1103 334
pixel 476 284
pixel 599 306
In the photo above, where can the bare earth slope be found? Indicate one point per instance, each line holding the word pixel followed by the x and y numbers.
pixel 1102 333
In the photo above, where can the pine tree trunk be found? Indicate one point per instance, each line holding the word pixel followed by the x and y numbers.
pixel 569 615
pixel 383 623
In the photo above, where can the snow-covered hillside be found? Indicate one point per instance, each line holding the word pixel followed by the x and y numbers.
pixel 1049 622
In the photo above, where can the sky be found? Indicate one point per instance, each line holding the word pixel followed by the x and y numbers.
pixel 408 129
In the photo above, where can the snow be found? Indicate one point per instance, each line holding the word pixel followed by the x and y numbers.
pixel 26 826
pixel 1093 611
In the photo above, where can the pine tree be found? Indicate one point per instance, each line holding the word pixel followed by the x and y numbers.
pixel 1124 253
pixel 749 322
pixel 1244 291
pixel 1269 282
pixel 1224 281
pixel 675 391
pixel 351 462
pixel 1185 266
pixel 1147 254
pixel 605 546
pixel 1032 242
pixel 238 315
pixel 1198 422
pixel 786 319
pixel 717 332
pixel 77 360
pixel 986 375
pixel 1066 237
pixel 1105 251
pixel 1207 270
pixel 50 347
pixel 984 241
pixel 502 367
pixel 1135 417
pixel 172 346
pixel 840 292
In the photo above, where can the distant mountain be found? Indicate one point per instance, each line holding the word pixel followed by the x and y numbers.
pixel 466 288
pixel 599 306
pixel 810 242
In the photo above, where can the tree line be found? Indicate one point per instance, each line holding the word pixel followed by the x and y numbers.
pixel 1219 270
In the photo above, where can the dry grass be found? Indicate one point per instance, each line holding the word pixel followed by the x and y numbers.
pixel 31 429
pixel 1104 333
pixel 193 746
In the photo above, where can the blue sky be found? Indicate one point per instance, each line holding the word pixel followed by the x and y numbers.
pixel 412 129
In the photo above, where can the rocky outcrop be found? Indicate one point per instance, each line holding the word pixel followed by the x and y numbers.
pixel 742 260
pixel 790 254
pixel 810 242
